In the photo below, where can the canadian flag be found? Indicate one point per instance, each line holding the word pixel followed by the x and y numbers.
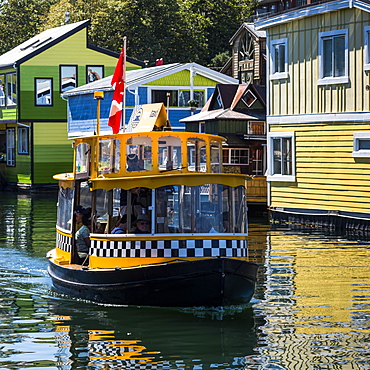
pixel 118 83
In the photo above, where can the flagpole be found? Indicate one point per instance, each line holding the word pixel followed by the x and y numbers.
pixel 124 85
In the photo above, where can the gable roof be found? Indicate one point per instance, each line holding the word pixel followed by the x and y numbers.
pixel 230 96
pixel 139 77
pixel 251 29
pixel 310 10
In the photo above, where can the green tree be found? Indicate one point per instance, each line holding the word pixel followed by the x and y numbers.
pixel 20 20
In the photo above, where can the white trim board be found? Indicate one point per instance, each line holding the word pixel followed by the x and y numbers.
pixel 317 118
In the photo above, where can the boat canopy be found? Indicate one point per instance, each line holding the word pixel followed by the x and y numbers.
pixel 149 159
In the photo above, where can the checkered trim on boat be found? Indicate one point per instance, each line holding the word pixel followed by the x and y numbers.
pixel 64 242
pixel 169 248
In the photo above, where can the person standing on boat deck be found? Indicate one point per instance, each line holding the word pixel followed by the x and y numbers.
pixel 141 225
pixel 83 237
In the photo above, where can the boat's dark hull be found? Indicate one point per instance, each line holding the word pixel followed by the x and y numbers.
pixel 210 283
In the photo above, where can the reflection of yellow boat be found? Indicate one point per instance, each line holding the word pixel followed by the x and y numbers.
pixel 194 252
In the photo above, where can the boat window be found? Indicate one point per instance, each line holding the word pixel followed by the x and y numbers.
pixel 197 157
pixel 82 159
pixel 135 203
pixel 169 153
pixel 109 156
pixel 210 208
pixel 139 153
pixel 65 203
pixel 215 157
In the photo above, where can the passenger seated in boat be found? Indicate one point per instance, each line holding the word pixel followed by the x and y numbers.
pixel 141 225
pixel 83 238
pixel 80 211
pixel 121 226
pixel 133 163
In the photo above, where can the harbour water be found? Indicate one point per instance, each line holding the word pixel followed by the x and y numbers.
pixel 311 309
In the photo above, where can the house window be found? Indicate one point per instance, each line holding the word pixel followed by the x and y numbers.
pixel 11 89
pixel 10 147
pixel 167 97
pixel 361 144
pixel 333 57
pixel 281 156
pixel 234 156
pixel 2 92
pixel 279 59
pixel 184 97
pixel 249 98
pixel 23 133
pixel 68 78
pixel 94 73
pixel 177 98
pixel 367 48
pixel 44 91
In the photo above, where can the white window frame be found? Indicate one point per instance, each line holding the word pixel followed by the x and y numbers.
pixel 333 80
pixel 278 75
pixel 229 161
pixel 357 152
pixel 270 157
pixel 367 48
pixel 23 146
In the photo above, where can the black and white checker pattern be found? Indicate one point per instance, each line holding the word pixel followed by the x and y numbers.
pixel 64 242
pixel 169 248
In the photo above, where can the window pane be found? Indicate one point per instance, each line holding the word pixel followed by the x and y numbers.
pixel 276 145
pixel 67 78
pixel 23 140
pixel 327 57
pixel 160 96
pixel 364 144
pixel 10 147
pixel 2 92
pixel 139 153
pixel 287 156
pixel 43 91
pixel 11 89
pixel 281 58
pixel 169 153
pixel 339 56
pixel 184 97
pixel 94 73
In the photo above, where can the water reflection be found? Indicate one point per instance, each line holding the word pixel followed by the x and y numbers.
pixel 311 309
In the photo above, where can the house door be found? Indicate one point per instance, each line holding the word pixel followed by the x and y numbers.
pixel 257 158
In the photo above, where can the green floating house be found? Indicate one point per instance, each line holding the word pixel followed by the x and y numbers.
pixel 33 116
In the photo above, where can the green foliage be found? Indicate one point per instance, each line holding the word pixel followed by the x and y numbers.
pixel 20 20
pixel 175 30
pixel 220 60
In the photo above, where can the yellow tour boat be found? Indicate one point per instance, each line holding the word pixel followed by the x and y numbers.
pixel 166 226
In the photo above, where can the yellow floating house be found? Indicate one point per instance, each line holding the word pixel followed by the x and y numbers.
pixel 318 113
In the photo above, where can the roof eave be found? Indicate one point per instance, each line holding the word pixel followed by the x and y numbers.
pixel 309 11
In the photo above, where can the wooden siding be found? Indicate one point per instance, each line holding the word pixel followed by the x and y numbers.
pixel 327 176
pixel 52 151
pixel 182 78
pixel 300 93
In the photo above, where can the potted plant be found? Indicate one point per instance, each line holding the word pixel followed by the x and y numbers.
pixel 193 105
